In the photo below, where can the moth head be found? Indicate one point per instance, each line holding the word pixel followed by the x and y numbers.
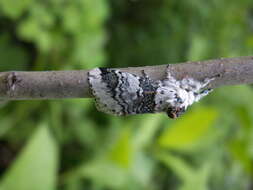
pixel 173 101
pixel 175 112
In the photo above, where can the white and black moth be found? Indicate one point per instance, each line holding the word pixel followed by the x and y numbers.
pixel 122 93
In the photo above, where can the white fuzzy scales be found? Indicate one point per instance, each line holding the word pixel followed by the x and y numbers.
pixel 180 93
pixel 102 94
pixel 122 93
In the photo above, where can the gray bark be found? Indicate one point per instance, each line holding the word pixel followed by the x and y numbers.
pixel 17 85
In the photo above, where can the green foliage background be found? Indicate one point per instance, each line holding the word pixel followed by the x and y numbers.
pixel 67 144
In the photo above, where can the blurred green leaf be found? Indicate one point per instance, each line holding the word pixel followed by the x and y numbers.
pixel 192 179
pixel 122 151
pixel 245 117
pixel 143 169
pixel 240 151
pixel 104 173
pixel 32 30
pixel 233 97
pixel 147 129
pixel 13 56
pixel 185 132
pixel 15 8
pixel 198 49
pixel 36 166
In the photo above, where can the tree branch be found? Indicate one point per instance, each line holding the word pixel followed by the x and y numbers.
pixel 18 85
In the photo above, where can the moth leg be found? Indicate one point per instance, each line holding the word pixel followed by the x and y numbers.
pixel 168 72
pixel 170 80
pixel 144 74
pixel 191 84
pixel 201 94
pixel 207 81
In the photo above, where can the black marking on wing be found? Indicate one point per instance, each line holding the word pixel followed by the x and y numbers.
pixel 110 77
pixel 146 102
pixel 120 88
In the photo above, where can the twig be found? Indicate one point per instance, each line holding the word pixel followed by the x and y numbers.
pixel 18 85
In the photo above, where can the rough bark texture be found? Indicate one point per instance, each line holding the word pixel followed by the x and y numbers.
pixel 18 85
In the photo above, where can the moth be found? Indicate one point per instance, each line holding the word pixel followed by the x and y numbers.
pixel 122 93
